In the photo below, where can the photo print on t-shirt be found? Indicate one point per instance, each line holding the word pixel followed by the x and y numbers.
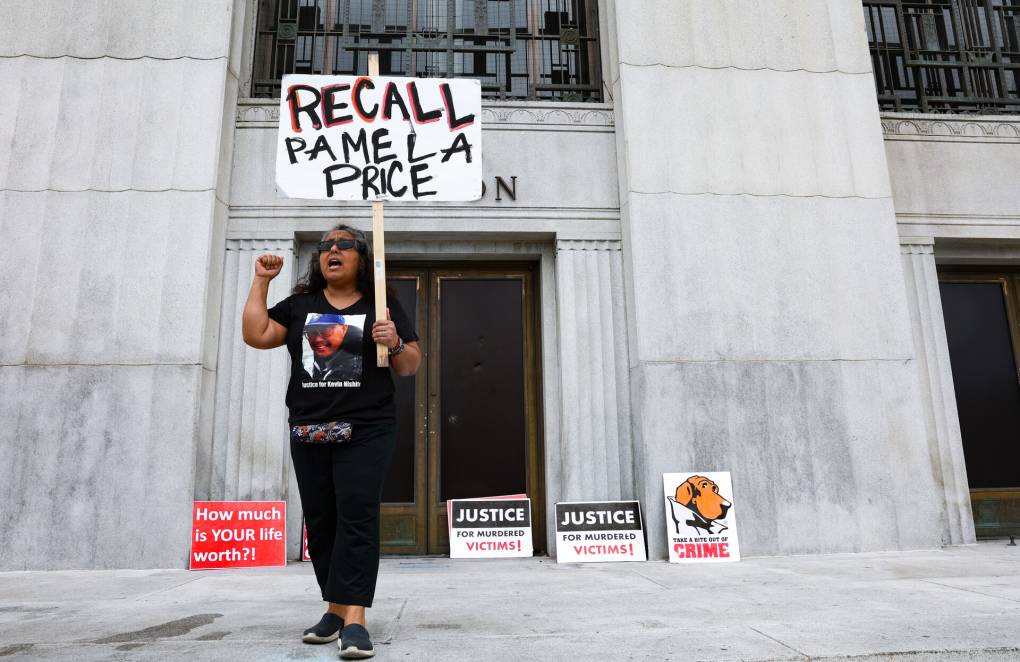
pixel 331 348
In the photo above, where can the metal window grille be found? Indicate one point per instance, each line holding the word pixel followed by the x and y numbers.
pixel 945 56
pixel 519 49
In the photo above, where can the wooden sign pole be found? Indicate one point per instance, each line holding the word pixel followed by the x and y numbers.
pixel 382 353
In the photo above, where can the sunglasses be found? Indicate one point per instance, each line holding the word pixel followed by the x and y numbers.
pixel 312 334
pixel 342 244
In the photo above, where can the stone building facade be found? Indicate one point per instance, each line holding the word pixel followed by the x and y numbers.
pixel 734 256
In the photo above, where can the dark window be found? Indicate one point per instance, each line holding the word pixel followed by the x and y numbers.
pixel 519 49
pixel 945 56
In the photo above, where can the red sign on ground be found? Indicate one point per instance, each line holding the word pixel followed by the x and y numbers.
pixel 238 534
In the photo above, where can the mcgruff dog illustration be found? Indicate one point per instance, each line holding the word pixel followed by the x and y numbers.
pixel 698 498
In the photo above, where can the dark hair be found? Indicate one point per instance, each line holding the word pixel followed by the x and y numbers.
pixel 313 281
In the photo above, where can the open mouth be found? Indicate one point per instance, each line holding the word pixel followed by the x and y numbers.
pixel 334 263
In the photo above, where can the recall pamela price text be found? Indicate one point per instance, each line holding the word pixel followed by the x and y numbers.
pixel 379 138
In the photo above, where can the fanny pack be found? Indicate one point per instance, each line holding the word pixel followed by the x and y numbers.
pixel 334 432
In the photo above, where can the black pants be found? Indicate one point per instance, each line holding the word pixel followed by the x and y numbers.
pixel 340 486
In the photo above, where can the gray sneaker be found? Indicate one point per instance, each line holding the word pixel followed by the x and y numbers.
pixel 355 643
pixel 326 630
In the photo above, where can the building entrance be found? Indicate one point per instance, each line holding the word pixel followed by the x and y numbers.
pixel 468 422
pixel 982 315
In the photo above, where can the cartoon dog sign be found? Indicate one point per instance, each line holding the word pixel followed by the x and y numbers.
pixel 700 521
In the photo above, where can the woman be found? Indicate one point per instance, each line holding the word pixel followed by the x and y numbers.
pixel 342 417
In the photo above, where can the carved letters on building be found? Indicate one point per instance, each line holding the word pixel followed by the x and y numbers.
pixel 502 188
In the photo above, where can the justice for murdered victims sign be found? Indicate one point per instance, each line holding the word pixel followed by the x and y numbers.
pixel 379 138
pixel 701 525
pixel 238 534
pixel 599 531
pixel 487 528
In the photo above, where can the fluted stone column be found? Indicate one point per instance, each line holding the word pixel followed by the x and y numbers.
pixel 938 395
pixel 249 457
pixel 595 449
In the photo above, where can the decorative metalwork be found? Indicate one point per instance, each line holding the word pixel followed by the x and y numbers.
pixel 946 56
pixel 519 49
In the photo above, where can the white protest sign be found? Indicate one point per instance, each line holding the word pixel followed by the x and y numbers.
pixel 489 528
pixel 379 138
pixel 596 531
pixel 701 524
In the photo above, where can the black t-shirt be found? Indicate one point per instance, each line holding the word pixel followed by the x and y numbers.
pixel 333 375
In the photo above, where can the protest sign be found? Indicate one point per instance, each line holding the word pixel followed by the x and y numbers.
pixel 305 556
pixel 379 138
pixel 238 534
pixel 490 527
pixel 701 524
pixel 597 531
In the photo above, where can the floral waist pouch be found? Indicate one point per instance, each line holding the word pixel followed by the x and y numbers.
pixel 333 432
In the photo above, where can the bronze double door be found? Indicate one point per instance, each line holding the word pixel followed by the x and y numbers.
pixel 981 309
pixel 468 422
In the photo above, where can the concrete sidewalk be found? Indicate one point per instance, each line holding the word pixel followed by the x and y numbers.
pixel 956 604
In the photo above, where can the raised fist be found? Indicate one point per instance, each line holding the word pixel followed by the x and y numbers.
pixel 268 266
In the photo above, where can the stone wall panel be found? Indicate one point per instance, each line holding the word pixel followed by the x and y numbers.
pixel 819 453
pixel 98 472
pixel 112 125
pixel 752 278
pixel 757 142
pixel 782 35
pixel 105 278
pixel 949 181
pixel 128 29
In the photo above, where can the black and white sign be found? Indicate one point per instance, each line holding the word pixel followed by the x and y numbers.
pixel 596 531
pixel 379 138
pixel 490 528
